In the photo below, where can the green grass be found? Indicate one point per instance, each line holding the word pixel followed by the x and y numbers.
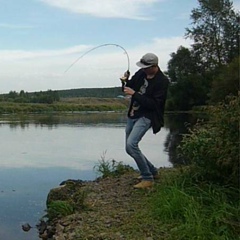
pixel 181 208
pixel 58 209
pixel 111 168
pixel 74 105
pixel 190 211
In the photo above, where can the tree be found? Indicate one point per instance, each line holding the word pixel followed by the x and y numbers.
pixel 215 33
pixel 226 83
pixel 189 86
pixel 181 64
pixel 12 95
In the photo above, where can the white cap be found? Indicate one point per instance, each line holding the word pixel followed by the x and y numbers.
pixel 148 60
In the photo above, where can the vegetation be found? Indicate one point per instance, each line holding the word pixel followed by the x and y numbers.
pixel 188 210
pixel 210 69
pixel 25 97
pixel 94 99
pixel 111 168
pixel 201 200
pixel 66 200
pixel 66 105
pixel 58 209
pixel 91 92
pixel 212 148
pixel 54 96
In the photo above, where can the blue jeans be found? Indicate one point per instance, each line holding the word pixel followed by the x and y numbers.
pixel 135 130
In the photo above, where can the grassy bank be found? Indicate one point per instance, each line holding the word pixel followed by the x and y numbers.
pixel 174 209
pixel 181 208
pixel 66 105
pixel 187 210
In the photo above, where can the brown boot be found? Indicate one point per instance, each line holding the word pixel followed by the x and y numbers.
pixel 144 184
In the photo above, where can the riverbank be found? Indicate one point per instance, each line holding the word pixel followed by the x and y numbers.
pixel 113 210
pixel 174 209
pixel 66 105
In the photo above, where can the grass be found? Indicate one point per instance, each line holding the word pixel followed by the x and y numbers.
pixel 58 209
pixel 190 211
pixel 181 209
pixel 110 168
pixel 66 105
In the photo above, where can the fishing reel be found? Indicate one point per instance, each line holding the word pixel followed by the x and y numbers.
pixel 124 79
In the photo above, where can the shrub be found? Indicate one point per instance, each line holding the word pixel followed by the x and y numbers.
pixel 213 148
pixel 111 168
pixel 58 209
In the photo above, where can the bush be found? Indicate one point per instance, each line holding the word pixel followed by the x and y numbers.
pixel 58 209
pixel 213 148
pixel 111 168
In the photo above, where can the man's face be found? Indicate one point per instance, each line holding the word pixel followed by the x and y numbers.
pixel 150 70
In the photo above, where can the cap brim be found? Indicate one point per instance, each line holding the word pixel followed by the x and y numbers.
pixel 141 65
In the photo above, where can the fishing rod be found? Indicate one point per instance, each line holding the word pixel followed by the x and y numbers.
pixel 103 45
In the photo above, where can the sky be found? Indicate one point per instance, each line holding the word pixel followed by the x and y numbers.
pixel 41 39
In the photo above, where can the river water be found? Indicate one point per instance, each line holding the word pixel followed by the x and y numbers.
pixel 38 152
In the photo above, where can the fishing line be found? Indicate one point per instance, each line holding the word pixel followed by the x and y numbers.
pixel 103 45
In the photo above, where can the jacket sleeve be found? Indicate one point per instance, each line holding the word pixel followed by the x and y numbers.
pixel 132 82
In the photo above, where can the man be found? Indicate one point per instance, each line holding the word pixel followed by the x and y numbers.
pixel 148 91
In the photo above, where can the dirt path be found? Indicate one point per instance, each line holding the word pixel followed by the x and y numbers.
pixel 115 211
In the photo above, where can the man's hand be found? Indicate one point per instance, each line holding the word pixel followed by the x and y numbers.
pixel 128 91
pixel 125 76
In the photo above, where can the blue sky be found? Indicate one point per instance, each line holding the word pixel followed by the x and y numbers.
pixel 40 39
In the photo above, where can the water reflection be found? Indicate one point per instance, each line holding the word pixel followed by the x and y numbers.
pixel 178 125
pixel 52 120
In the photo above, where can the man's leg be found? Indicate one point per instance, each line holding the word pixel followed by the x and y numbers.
pixel 135 130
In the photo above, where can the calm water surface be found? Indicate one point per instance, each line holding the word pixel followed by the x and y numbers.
pixel 38 152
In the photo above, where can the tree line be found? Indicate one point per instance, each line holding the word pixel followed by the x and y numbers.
pixel 208 71
pixel 55 96
pixel 35 97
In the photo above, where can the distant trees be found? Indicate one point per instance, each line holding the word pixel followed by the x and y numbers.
pixel 91 92
pixel 37 97
pixel 55 96
pixel 209 70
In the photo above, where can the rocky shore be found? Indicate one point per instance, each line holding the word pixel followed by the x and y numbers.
pixel 111 210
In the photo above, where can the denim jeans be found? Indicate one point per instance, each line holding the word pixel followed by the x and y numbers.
pixel 135 130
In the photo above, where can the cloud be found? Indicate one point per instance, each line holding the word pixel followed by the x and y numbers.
pixel 43 70
pixel 22 54
pixel 129 9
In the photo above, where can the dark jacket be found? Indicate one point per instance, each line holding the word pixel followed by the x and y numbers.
pixel 153 101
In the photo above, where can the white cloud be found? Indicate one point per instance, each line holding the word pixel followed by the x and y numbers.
pixel 130 9
pixel 43 70
pixel 21 54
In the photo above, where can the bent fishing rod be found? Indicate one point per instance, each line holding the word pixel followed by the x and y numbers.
pixel 94 48
pixel 99 46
